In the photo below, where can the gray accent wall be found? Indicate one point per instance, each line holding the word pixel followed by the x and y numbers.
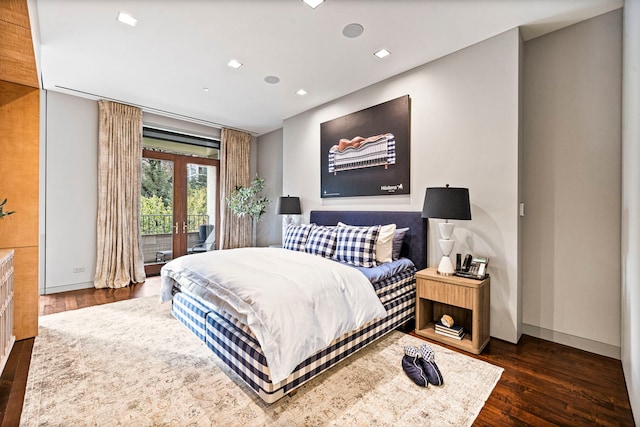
pixel 269 154
pixel 572 185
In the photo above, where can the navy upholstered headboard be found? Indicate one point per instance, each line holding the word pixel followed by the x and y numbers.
pixel 415 241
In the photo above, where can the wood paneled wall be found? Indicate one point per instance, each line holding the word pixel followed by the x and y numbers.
pixel 17 60
pixel 19 168
pixel 19 160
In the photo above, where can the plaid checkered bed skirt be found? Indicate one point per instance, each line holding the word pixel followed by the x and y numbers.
pixel 235 344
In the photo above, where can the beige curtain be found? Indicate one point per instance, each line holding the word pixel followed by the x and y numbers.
pixel 234 171
pixel 119 258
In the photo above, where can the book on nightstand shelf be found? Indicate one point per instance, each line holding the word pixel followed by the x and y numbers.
pixel 456 331
pixel 455 337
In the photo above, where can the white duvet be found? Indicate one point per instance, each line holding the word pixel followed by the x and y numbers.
pixel 295 303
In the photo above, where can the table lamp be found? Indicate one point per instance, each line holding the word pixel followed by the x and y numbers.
pixel 288 205
pixel 446 203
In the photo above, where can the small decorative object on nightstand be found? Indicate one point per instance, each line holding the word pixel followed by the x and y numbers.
pixel 467 301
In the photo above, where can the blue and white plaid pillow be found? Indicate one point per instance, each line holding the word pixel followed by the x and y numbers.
pixel 321 241
pixel 295 237
pixel 357 245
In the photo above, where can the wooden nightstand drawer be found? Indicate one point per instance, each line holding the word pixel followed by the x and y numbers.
pixel 466 300
pixel 445 293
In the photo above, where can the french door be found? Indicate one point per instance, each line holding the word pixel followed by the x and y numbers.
pixel 179 210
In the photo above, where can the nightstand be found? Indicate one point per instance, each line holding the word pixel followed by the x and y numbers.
pixel 466 300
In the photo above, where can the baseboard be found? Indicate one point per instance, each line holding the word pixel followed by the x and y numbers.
pixel 65 288
pixel 585 344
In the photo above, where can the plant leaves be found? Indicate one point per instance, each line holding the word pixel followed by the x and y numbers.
pixel 248 201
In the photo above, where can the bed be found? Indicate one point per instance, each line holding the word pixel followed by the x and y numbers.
pixel 228 335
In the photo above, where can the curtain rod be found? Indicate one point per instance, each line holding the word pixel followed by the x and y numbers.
pixel 158 111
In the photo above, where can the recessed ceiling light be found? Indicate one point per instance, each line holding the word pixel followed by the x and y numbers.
pixel 382 53
pixel 272 79
pixel 313 3
pixel 206 89
pixel 234 64
pixel 353 30
pixel 301 92
pixel 125 18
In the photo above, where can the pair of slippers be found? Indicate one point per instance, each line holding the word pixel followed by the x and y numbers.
pixel 420 366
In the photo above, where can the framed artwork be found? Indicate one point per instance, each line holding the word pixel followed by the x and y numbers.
pixel 366 153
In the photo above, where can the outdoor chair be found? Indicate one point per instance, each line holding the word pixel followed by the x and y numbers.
pixel 207 237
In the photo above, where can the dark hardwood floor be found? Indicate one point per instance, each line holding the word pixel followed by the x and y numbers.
pixel 543 383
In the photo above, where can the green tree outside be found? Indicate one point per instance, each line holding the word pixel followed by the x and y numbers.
pixel 156 207
pixel 157 180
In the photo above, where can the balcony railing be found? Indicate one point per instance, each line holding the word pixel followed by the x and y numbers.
pixel 163 224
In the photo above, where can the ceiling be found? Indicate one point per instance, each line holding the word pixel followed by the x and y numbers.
pixel 178 48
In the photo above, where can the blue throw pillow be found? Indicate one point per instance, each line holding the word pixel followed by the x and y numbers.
pixel 398 238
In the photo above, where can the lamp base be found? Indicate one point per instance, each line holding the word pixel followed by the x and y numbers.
pixel 445 268
pixel 446 246
pixel 287 220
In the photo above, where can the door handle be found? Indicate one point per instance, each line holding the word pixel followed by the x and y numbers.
pixel 184 228
pixel 176 227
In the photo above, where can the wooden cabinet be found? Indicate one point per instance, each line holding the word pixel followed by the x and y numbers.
pixel 19 160
pixel 19 183
pixel 466 300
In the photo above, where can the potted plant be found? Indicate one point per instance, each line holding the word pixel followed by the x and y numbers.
pixel 249 201
pixel 2 212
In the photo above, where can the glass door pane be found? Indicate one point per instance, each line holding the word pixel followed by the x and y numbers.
pixel 201 207
pixel 156 211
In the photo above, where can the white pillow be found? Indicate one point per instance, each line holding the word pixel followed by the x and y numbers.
pixel 384 242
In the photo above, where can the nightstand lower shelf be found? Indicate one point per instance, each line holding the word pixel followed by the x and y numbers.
pixel 465 343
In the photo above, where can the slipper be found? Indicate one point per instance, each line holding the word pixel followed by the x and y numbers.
pixel 412 367
pixel 429 367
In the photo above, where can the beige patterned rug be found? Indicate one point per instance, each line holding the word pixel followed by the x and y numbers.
pixel 131 363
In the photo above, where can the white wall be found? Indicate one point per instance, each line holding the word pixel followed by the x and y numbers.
pixel 71 180
pixel 521 78
pixel 631 203
pixel 464 132
pixel 269 153
pixel 571 174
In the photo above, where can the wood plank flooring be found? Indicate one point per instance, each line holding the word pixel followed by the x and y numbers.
pixel 543 383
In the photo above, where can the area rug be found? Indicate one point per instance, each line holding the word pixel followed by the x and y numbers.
pixel 131 363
